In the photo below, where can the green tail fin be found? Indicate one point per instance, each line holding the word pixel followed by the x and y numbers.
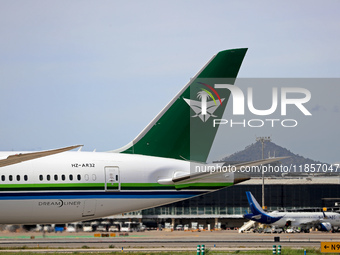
pixel 184 128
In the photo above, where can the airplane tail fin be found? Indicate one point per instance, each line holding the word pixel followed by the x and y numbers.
pixel 257 212
pixel 253 204
pixel 324 215
pixel 184 128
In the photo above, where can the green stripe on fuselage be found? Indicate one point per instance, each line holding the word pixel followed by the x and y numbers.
pixel 52 186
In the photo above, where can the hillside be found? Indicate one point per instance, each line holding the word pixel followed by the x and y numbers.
pixel 254 152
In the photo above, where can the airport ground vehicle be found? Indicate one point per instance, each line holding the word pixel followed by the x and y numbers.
pixel 59 228
pixel 114 228
pixel 179 227
pixel 102 228
pixel 71 228
pixel 130 226
pixel 87 227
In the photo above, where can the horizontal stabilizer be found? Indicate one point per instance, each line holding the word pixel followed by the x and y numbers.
pixel 200 175
pixel 21 157
pixel 236 175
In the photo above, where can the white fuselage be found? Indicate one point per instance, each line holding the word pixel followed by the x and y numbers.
pixel 75 186
pixel 297 219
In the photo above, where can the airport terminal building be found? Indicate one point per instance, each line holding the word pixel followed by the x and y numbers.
pixel 226 206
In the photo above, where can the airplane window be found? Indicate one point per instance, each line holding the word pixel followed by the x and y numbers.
pixel 86 177
pixel 94 177
pixel 56 177
pixel 25 177
pixel 3 178
pixel 10 178
pixel 48 177
pixel 71 177
pixel 78 177
pixel 41 177
pixel 18 177
pixel 63 177
pixel 116 177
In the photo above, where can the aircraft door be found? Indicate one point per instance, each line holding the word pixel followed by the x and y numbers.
pixel 112 178
pixel 89 207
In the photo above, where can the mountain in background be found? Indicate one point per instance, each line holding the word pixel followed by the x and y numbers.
pixel 254 152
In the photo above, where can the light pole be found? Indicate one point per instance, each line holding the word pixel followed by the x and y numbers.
pixel 263 139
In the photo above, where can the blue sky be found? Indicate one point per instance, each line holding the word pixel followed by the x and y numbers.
pixel 97 72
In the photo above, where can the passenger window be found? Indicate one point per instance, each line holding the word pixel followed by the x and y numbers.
pixel 63 177
pixel 3 178
pixel 48 177
pixel 10 178
pixel 41 177
pixel 87 177
pixel 94 177
pixel 26 178
pixel 78 177
pixel 71 177
pixel 18 177
pixel 56 177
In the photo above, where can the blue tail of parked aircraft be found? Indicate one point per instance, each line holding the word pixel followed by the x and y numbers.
pixel 258 214
pixel 253 204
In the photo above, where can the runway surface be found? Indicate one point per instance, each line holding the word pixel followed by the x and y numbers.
pixel 160 240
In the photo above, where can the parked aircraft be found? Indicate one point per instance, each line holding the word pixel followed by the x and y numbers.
pixel 304 220
pixel 158 167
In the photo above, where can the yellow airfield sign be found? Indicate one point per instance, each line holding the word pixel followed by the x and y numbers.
pixel 330 246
